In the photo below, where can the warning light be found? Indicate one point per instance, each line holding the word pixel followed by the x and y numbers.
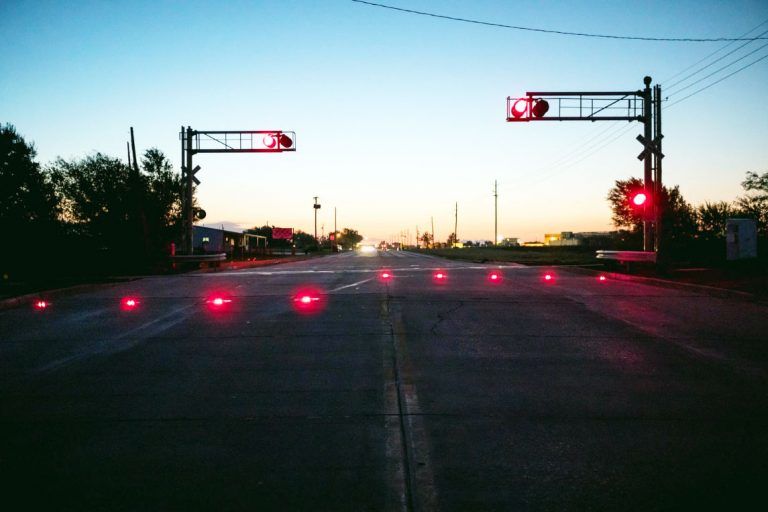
pixel 308 301
pixel 520 108
pixel 440 276
pixel 549 277
pixel 539 108
pixel 129 303
pixel 41 304
pixel 386 275
pixel 494 277
pixel 218 301
pixel 639 199
pixel 277 141
pixel 602 278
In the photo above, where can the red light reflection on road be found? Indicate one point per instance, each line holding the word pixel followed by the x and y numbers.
pixel 308 300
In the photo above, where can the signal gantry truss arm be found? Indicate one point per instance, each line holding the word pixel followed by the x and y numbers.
pixel 240 141
pixel 576 106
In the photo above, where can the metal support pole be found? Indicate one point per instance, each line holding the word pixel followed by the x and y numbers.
pixel 495 212
pixel 648 164
pixel 316 206
pixel 432 220
pixel 189 214
pixel 456 224
pixel 657 157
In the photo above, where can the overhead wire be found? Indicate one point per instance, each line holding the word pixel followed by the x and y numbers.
pixel 557 32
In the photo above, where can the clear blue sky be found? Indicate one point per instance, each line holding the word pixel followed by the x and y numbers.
pixel 397 116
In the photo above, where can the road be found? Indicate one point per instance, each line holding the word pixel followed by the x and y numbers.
pixel 406 394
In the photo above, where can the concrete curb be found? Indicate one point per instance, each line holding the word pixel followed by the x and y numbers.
pixel 663 283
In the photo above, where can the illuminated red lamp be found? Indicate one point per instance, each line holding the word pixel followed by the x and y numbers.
pixel 519 108
pixel 602 278
pixel 494 277
pixel 41 304
pixel 129 303
pixel 549 278
pixel 218 302
pixel 308 301
pixel 385 275
pixel 440 276
pixel 639 199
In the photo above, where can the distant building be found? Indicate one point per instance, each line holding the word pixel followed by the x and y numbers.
pixel 569 238
pixel 564 238
pixel 532 244
pixel 510 242
pixel 211 240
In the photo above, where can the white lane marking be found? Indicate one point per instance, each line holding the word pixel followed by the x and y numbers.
pixel 351 285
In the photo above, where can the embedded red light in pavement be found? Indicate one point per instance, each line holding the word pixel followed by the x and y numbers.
pixel 308 301
pixel 549 277
pixel 41 304
pixel 386 275
pixel 129 303
pixel 440 275
pixel 218 301
pixel 601 278
pixel 494 277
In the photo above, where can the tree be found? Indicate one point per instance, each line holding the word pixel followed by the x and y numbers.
pixel 304 240
pixel 452 239
pixel 623 215
pixel 349 238
pixel 426 239
pixel 754 204
pixel 29 208
pixel 712 218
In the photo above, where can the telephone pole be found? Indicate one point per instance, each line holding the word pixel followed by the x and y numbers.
pixel 432 219
pixel 456 224
pixel 495 212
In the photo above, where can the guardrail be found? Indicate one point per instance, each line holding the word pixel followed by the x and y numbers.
pixel 626 256
pixel 212 259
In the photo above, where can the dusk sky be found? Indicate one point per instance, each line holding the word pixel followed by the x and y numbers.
pixel 398 116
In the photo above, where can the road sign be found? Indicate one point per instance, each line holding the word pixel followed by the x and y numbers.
pixel 194 171
pixel 650 147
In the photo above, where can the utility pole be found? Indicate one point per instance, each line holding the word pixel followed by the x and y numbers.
pixel 648 166
pixel 128 146
pixel 432 219
pixel 417 236
pixel 316 206
pixel 657 156
pixel 456 224
pixel 495 212
pixel 335 233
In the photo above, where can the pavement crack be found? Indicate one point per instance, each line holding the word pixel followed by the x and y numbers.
pixel 442 316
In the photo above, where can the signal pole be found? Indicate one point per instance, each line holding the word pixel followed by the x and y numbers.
pixel 316 207
pixel 495 212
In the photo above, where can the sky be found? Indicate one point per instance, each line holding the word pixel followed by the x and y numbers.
pixel 398 117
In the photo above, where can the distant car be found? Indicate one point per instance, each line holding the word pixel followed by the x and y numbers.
pixel 367 248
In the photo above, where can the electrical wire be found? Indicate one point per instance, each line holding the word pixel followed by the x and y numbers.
pixel 557 32
pixel 717 81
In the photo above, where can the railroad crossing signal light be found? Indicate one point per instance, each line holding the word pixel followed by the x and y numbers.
pixel 639 199
pixel 525 109
pixel 277 141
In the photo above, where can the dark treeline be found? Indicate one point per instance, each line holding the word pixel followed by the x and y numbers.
pixel 690 233
pixel 92 216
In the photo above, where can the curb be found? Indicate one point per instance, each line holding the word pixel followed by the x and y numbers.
pixel 663 283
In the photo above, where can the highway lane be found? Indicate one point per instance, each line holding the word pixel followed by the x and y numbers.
pixel 408 394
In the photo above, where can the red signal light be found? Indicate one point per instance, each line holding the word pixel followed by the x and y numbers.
pixel 129 303
pixel 639 199
pixel 308 301
pixel 519 108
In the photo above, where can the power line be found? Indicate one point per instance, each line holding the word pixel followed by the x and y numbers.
pixel 558 32
pixel 711 54
pixel 718 81
pixel 719 69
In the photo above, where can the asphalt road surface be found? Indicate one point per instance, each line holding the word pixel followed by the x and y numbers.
pixel 404 394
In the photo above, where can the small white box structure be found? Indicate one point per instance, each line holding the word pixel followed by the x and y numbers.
pixel 740 239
